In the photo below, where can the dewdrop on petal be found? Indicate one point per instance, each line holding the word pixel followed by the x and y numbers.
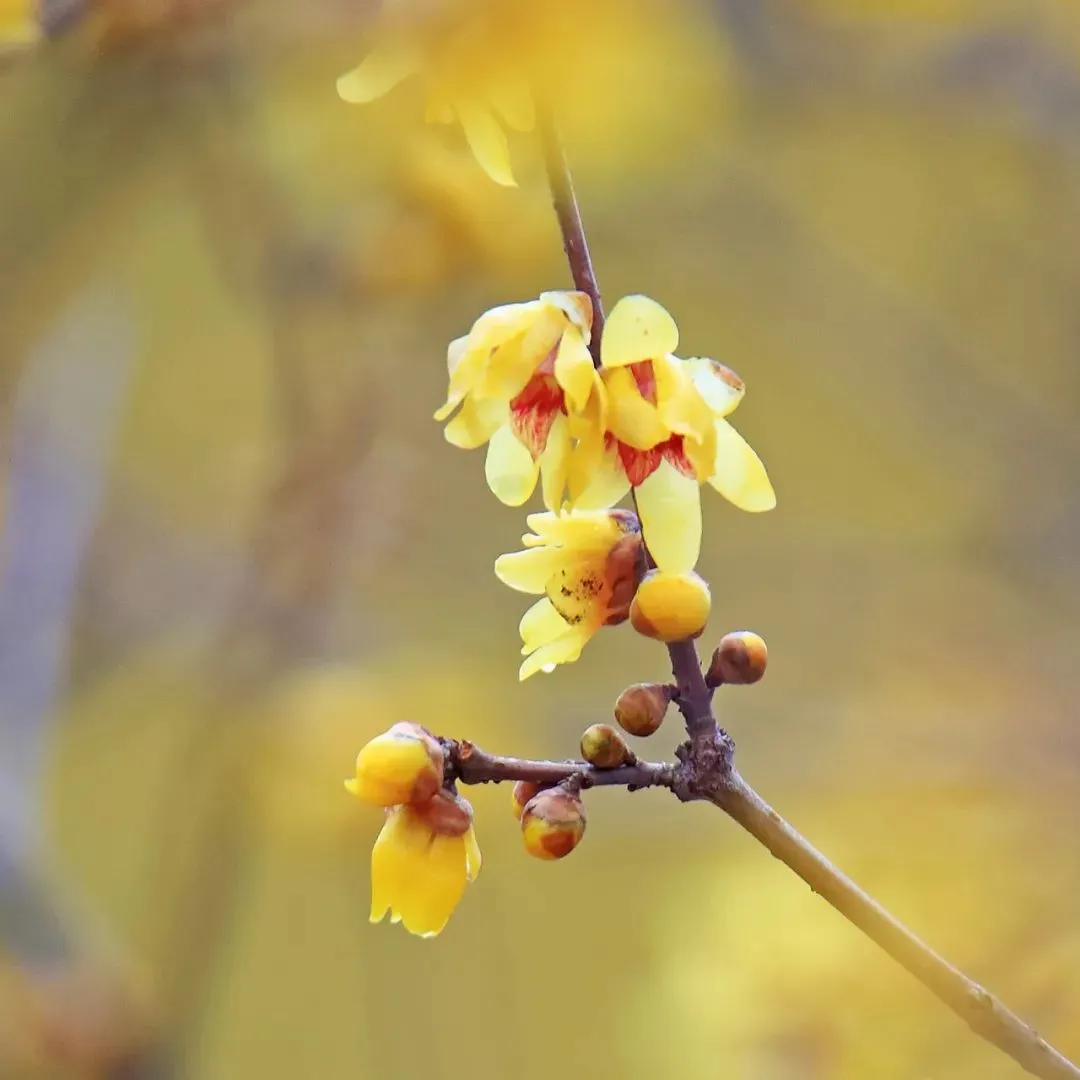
pixel 402 765
pixel 553 823
pixel 671 607
pixel 640 709
pixel 604 747
pixel 739 659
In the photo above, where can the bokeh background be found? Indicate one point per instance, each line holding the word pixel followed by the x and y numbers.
pixel 235 546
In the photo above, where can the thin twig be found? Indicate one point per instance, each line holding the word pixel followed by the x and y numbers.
pixel 707 761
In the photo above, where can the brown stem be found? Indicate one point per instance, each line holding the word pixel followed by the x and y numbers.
pixel 707 770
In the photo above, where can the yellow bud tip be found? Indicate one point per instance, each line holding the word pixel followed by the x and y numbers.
pixel 671 606
pixel 402 765
pixel 553 824
pixel 739 660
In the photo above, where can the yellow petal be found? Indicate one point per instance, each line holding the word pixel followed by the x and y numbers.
pixel 637 329
pixel 554 463
pixel 438 885
pixel 476 423
pixel 630 418
pixel 541 625
pixel 473 861
pixel 593 530
pixel 681 406
pixel 577 592
pixel 564 650
pixel 721 388
pixel 486 140
pixel 514 103
pixel 439 109
pixel 510 470
pixel 378 73
pixel 740 476
pixel 507 370
pixel 574 370
pixel 669 505
pixel 529 571
pixel 394 859
pixel 604 485
pixel 576 306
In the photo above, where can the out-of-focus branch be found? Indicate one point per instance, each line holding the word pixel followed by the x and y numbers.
pixel 707 768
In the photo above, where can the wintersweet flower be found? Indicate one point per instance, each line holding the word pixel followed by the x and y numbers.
pixel 515 378
pixel 470 79
pixel 586 566
pixel 402 765
pixel 420 865
pixel 660 429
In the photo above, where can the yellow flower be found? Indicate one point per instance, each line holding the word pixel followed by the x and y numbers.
pixel 660 428
pixel 402 765
pixel 19 24
pixel 588 563
pixel 418 874
pixel 470 74
pixel 516 377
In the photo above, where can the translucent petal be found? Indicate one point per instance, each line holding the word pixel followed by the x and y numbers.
pixel 554 463
pixel 378 73
pixel 630 418
pixel 681 406
pixel 439 109
pixel 637 329
pixel 576 306
pixel 487 140
pixel 473 860
pixel 400 843
pixel 669 505
pixel 464 365
pixel 564 650
pixel 476 423
pixel 540 625
pixel 507 371
pixel 529 571
pixel 510 470
pixel 438 885
pixel 514 103
pixel 721 388
pixel 586 459
pixel 574 370
pixel 583 531
pixel 606 483
pixel 740 476
pixel 579 592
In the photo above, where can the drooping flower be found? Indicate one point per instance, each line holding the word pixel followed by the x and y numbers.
pixel 660 428
pixel 585 565
pixel 420 867
pixel 515 378
pixel 466 59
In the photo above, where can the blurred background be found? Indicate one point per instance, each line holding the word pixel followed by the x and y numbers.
pixel 235 546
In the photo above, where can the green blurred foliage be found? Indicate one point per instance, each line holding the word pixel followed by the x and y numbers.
pixel 873 214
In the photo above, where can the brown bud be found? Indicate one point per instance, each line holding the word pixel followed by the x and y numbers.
pixel 604 747
pixel 640 709
pixel 739 659
pixel 522 792
pixel 553 823
pixel 447 813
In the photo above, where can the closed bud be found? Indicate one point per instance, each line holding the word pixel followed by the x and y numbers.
pixel 739 659
pixel 522 792
pixel 604 747
pixel 640 709
pixel 447 813
pixel 553 823
pixel 671 607
pixel 402 765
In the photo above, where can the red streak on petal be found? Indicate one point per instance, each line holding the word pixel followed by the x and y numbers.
pixel 639 465
pixel 674 451
pixel 645 378
pixel 533 412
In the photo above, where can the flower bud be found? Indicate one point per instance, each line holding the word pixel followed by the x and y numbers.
pixel 626 566
pixel 740 658
pixel 640 709
pixel 402 765
pixel 553 823
pixel 522 792
pixel 447 813
pixel 670 607
pixel 604 747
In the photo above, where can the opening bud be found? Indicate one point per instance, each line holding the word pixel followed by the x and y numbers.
pixel 640 709
pixel 626 566
pixel 604 747
pixel 447 813
pixel 553 823
pixel 739 659
pixel 671 607
pixel 402 765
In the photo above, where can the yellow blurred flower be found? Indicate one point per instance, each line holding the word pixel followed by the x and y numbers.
pixel 418 874
pixel 660 428
pixel 516 377
pixel 588 564
pixel 402 765
pixel 19 24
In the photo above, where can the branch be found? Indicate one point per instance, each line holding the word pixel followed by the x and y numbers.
pixel 707 768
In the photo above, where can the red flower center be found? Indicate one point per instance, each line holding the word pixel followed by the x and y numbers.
pixel 639 465
pixel 534 410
